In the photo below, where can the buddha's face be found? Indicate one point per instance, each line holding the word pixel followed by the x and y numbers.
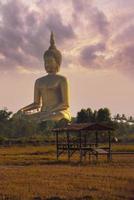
pixel 51 66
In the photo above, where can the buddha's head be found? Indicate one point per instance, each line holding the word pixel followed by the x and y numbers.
pixel 52 58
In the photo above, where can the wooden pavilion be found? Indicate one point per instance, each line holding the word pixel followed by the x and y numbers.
pixel 82 144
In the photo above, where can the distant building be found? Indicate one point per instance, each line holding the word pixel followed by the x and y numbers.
pixel 123 119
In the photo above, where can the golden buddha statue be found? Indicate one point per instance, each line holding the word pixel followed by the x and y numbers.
pixel 51 101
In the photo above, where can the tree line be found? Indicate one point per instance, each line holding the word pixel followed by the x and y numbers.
pixel 87 115
pixel 10 127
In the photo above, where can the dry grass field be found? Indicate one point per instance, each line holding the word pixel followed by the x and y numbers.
pixel 32 171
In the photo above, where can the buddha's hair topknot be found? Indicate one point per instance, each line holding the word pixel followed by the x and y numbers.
pixel 53 51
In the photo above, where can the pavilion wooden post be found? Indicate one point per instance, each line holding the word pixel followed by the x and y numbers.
pixel 109 141
pixel 80 142
pixel 96 139
pixel 85 145
pixel 96 143
pixel 57 145
pixel 85 140
pixel 68 145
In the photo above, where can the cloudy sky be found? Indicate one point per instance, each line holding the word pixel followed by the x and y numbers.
pixel 96 38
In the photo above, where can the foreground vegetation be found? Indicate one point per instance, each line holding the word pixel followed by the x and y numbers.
pixel 13 130
pixel 29 172
pixel 29 169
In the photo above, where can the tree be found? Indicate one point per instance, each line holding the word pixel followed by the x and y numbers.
pixel 23 127
pixel 5 122
pixel 83 116
pixel 90 115
pixel 117 117
pixel 86 115
pixel 95 113
pixel 123 117
pixel 130 119
pixel 62 123
pixel 4 115
pixel 103 115
pixel 45 126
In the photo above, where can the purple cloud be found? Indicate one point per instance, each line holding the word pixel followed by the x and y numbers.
pixel 124 60
pixel 63 32
pixel 24 34
pixel 89 55
pixel 97 20
pixel 125 36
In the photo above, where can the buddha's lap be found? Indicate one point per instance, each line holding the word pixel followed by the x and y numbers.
pixel 41 116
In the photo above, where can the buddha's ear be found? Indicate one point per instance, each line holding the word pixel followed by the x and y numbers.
pixel 58 67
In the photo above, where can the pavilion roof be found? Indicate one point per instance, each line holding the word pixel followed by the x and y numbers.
pixel 85 127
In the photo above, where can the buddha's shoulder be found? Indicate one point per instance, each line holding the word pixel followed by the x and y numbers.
pixel 39 80
pixel 60 77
